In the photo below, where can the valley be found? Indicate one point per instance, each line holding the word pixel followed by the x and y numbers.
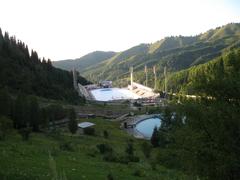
pixel 166 110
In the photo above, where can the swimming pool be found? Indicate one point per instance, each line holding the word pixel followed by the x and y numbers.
pixel 109 94
pixel 146 126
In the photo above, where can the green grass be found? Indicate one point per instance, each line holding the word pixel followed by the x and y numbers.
pixel 30 159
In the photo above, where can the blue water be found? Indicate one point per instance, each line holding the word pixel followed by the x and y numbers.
pixel 107 89
pixel 146 127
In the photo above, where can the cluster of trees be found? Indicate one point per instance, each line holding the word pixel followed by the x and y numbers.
pixel 110 155
pixel 200 138
pixel 25 114
pixel 219 78
pixel 22 71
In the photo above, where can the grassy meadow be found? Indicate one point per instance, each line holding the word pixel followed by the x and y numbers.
pixel 60 155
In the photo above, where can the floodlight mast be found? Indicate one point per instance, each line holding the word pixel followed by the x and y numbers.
pixel 165 76
pixel 155 77
pixel 131 76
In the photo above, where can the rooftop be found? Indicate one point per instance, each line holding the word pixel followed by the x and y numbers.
pixel 85 124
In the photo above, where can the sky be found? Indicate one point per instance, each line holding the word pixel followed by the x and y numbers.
pixel 68 29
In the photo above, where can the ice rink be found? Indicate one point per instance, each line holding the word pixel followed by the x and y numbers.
pixel 109 94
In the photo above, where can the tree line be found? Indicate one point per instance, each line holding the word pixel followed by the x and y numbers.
pixel 219 78
pixel 23 71
pixel 201 136
pixel 25 114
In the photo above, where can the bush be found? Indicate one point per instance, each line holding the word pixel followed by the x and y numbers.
pixel 146 149
pixel 104 148
pixel 72 123
pixel 127 159
pixel 110 176
pixel 129 149
pixel 139 173
pixel 155 137
pixel 133 158
pixel 111 157
pixel 25 133
pixel 153 165
pixel 6 125
pixel 55 133
pixel 89 131
pixel 92 152
pixel 66 146
pixel 105 134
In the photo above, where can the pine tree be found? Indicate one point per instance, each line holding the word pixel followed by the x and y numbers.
pixel 146 149
pixel 155 138
pixel 21 112
pixel 5 103
pixel 1 40
pixel 6 125
pixel 129 149
pixel 34 113
pixel 72 124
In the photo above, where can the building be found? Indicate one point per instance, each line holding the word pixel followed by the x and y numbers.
pixel 105 84
pixel 86 128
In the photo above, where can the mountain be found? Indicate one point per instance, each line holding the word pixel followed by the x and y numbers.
pixel 24 72
pixel 218 78
pixel 83 62
pixel 176 53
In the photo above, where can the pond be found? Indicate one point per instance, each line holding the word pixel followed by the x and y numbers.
pixel 145 127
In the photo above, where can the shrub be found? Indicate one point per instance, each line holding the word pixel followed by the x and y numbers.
pixel 146 149
pixel 133 158
pixel 139 173
pixel 6 125
pixel 111 157
pixel 104 148
pixel 89 131
pixel 129 149
pixel 105 134
pixel 153 165
pixel 55 133
pixel 66 146
pixel 25 133
pixel 125 159
pixel 155 137
pixel 110 176
pixel 92 152
pixel 72 123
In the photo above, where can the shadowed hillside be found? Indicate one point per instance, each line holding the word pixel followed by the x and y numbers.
pixel 24 72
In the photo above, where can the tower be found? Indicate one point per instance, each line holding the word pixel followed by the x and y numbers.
pixel 145 69
pixel 165 76
pixel 75 79
pixel 155 77
pixel 131 76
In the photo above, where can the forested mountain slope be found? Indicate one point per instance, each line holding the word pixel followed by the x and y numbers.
pixel 83 62
pixel 218 78
pixel 21 71
pixel 176 53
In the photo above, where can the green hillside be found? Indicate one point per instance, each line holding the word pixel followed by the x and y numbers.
pixel 83 62
pixel 176 53
pixel 218 78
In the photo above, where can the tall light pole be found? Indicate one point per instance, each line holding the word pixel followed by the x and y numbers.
pixel 165 75
pixel 145 69
pixel 155 77
pixel 74 79
pixel 131 76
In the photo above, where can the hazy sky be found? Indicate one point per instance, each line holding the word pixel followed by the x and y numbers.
pixel 62 29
